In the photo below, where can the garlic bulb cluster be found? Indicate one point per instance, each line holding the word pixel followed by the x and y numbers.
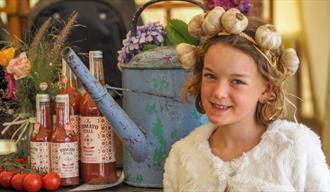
pixel 186 55
pixel 220 22
pixel 290 60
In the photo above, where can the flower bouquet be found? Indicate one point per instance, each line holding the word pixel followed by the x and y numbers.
pixel 31 68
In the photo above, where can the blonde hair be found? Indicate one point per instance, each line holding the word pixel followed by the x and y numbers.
pixel 266 112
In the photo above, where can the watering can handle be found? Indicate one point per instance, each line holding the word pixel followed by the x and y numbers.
pixel 139 11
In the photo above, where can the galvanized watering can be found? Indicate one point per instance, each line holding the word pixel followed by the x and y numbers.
pixel 153 117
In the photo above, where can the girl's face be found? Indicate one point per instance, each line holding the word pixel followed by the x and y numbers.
pixel 231 86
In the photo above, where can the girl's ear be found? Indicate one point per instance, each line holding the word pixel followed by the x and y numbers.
pixel 267 93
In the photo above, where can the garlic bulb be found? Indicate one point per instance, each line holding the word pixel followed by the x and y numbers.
pixel 290 60
pixel 195 25
pixel 212 24
pixel 186 54
pixel 267 37
pixel 233 21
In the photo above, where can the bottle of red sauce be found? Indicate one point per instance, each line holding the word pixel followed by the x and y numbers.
pixel 97 145
pixel 70 87
pixel 64 144
pixel 40 141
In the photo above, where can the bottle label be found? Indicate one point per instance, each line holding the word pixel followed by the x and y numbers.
pixel 36 129
pixel 97 144
pixel 40 158
pixel 64 159
pixel 74 122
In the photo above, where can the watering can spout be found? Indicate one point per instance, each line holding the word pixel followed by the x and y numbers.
pixel 132 137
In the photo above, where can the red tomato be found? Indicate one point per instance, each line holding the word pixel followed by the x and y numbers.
pixel 17 181
pixel 51 181
pixel 21 161
pixel 32 182
pixel 5 178
pixel 14 170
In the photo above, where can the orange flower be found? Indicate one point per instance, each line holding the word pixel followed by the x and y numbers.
pixel 20 66
pixel 6 55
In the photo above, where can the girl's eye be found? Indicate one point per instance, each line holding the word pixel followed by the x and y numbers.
pixel 238 82
pixel 209 76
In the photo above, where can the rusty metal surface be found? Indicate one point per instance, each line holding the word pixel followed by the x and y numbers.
pixel 154 104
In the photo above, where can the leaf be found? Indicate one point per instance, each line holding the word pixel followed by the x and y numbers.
pixel 149 46
pixel 177 32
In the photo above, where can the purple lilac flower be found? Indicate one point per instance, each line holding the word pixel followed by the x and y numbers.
pixel 242 5
pixel 152 33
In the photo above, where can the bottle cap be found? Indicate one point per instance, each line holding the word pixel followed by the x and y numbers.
pixel 61 98
pixel 42 97
pixel 95 54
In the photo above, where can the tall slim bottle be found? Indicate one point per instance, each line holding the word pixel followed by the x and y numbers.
pixel 70 87
pixel 64 144
pixel 97 145
pixel 40 140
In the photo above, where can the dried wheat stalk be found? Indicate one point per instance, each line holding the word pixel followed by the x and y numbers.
pixel 62 37
pixel 33 50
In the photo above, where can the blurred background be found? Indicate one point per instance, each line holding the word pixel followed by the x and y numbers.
pixel 304 25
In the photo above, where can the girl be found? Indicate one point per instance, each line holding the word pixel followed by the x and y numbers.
pixel 238 77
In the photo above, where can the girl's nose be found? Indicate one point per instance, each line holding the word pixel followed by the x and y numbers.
pixel 221 90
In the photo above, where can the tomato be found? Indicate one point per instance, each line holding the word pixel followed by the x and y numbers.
pixel 51 181
pixel 14 170
pixel 32 182
pixel 5 178
pixel 21 161
pixel 17 181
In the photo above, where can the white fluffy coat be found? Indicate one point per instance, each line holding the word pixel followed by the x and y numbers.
pixel 288 158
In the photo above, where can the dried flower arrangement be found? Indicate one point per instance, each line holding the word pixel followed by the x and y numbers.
pixel 32 68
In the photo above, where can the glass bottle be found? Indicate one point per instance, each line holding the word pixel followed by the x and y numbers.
pixel 97 145
pixel 40 140
pixel 70 87
pixel 64 144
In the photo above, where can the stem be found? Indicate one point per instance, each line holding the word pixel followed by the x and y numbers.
pixel 17 130
pixel 21 135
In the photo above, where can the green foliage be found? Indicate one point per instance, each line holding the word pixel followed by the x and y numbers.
pixel 44 55
pixel 149 46
pixel 177 32
pixel 42 71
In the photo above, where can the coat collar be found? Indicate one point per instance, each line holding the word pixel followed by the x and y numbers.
pixel 272 141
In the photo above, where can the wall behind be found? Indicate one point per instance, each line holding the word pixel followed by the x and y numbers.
pixel 316 15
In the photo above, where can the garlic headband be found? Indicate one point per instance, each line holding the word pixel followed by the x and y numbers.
pixel 233 22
